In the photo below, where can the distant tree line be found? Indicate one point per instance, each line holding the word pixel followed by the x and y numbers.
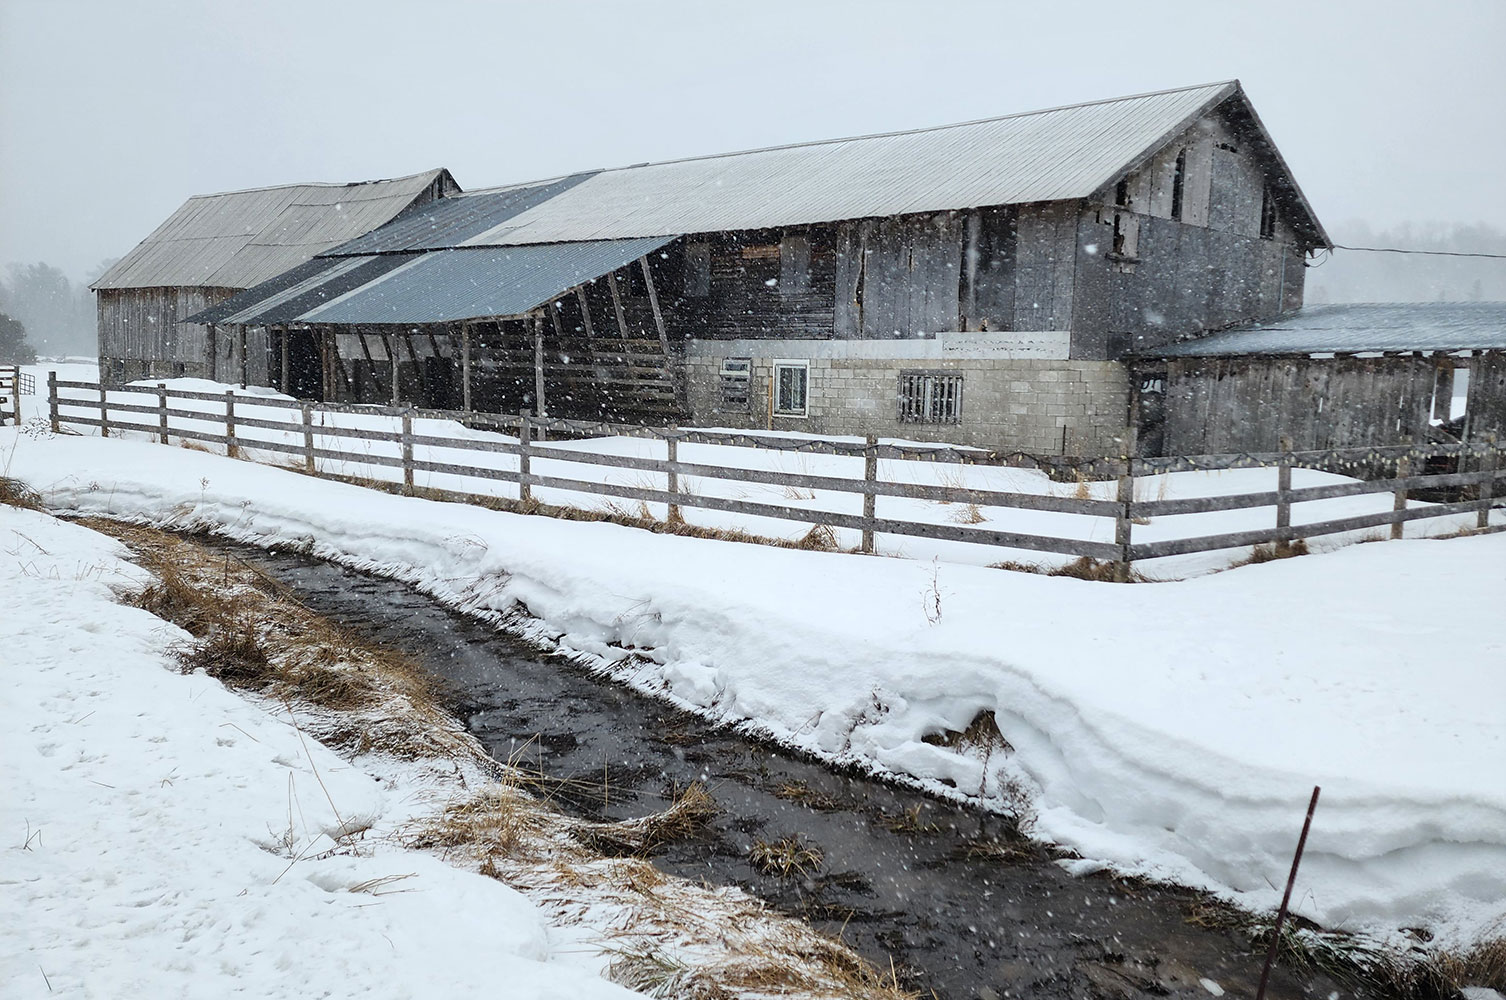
pixel 1354 276
pixel 57 316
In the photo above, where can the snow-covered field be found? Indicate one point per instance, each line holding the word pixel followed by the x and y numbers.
pixel 153 821
pixel 1174 730
pixel 1047 523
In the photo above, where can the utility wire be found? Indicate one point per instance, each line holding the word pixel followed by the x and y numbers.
pixel 1426 253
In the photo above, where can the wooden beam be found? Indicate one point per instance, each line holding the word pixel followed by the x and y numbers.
pixel 585 310
pixel 370 361
pixel 617 304
pixel 391 363
pixel 243 358
pixel 284 339
pixel 653 301
pixel 423 377
pixel 538 366
pixel 465 366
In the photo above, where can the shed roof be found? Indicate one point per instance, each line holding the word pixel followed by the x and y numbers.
pixel 1359 328
pixel 239 238
pixel 1061 153
pixel 427 286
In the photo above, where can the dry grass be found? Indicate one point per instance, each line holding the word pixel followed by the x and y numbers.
pixel 1272 552
pixel 786 857
pixel 686 817
pixel 15 493
pixel 803 793
pixel 969 514
pixel 1086 568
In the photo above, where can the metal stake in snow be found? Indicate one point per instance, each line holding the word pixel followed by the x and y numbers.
pixel 1270 955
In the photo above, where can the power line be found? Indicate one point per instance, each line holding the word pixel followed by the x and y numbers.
pixel 1426 253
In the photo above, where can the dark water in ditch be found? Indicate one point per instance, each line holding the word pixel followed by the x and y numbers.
pixel 900 877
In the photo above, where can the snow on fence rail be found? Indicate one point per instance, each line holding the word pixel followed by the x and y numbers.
pixel 466 454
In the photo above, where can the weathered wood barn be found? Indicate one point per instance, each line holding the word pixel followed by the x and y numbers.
pixel 980 283
pixel 1337 376
pixel 219 244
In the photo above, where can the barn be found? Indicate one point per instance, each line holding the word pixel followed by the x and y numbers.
pixel 1333 376
pixel 981 283
pixel 216 245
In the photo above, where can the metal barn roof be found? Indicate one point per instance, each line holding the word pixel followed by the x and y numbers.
pixel 240 238
pixel 434 286
pixel 1062 153
pixel 1363 328
pixel 449 222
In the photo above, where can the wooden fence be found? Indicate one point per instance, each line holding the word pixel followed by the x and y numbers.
pixel 1465 492
pixel 14 383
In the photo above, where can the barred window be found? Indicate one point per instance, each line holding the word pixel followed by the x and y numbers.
pixel 930 398
pixel 734 385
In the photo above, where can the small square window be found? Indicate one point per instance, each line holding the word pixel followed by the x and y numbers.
pixel 735 375
pixel 930 398
pixel 791 379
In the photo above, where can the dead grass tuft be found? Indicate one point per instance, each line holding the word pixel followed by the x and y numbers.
pixel 493 822
pixel 685 818
pixel 970 514
pixel 15 493
pixel 1270 553
pixel 982 732
pixel 803 793
pixel 786 857
pixel 1087 568
pixel 821 538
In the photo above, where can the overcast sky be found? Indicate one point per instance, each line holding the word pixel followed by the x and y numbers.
pixel 111 114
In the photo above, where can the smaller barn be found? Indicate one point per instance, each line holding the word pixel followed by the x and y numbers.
pixel 216 245
pixel 1334 376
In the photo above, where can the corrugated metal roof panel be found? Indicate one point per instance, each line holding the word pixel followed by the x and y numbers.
pixel 1050 155
pixel 447 285
pixel 239 238
pixel 450 222
pixel 1361 328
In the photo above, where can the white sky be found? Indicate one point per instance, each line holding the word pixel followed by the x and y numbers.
pixel 112 113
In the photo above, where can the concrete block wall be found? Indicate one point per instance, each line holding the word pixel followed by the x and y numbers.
pixel 1034 405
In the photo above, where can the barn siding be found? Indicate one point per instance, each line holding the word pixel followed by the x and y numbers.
pixel 140 335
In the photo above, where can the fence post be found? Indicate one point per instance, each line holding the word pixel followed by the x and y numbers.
pixel 1487 480
pixel 1124 517
pixel 52 402
pixel 232 450
pixel 161 413
pixel 1284 499
pixel 1403 469
pixel 672 455
pixel 870 499
pixel 407 440
pixel 308 439
pixel 104 411
pixel 525 492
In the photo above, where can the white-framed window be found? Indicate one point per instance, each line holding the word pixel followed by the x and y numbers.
pixel 733 385
pixel 791 382
pixel 930 398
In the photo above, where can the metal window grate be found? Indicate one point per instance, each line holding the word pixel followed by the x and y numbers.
pixel 930 398
pixel 735 376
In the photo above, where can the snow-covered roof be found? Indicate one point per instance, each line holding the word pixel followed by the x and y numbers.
pixel 1360 328
pixel 240 238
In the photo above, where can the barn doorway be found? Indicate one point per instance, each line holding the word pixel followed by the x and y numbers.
pixel 305 366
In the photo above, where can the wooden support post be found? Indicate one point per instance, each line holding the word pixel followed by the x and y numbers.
pixel 418 368
pixel 161 413
pixel 525 491
pixel 1403 469
pixel 1284 499
pixel 465 367
pixel 653 302
pixel 870 499
pixel 617 304
pixel 672 483
pixel 52 402
pixel 391 363
pixel 538 367
pixel 407 440
pixel 308 439
pixel 1489 464
pixel 585 311
pixel 1124 520
pixel 245 365
pixel 104 411
pixel 232 450
pixel 286 386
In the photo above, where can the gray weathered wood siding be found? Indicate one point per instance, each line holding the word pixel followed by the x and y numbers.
pixel 142 325
pixel 1218 405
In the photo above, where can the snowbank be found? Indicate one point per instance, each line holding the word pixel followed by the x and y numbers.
pixel 1174 729
pixel 153 822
